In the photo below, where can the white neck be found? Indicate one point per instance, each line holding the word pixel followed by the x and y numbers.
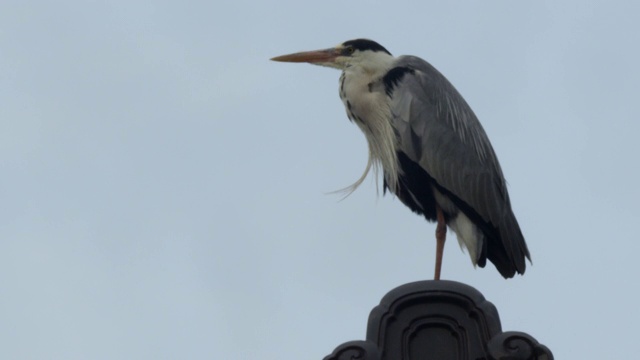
pixel 371 112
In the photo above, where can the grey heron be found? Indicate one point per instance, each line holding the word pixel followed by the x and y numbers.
pixel 434 154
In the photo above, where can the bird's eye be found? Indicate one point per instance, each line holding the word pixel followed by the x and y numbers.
pixel 349 50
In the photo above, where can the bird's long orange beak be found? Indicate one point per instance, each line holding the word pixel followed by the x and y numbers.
pixel 316 56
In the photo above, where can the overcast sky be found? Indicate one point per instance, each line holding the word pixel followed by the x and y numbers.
pixel 164 186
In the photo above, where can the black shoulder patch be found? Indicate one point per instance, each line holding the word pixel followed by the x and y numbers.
pixel 365 44
pixel 393 77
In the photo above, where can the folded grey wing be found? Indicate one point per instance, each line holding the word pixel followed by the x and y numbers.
pixel 438 130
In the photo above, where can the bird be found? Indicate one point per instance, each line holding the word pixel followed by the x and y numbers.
pixel 433 152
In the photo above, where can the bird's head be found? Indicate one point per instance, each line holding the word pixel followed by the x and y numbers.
pixel 364 53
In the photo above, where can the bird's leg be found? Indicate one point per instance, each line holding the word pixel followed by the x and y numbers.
pixel 441 236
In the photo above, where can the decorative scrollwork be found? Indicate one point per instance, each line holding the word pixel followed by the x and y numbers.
pixel 514 345
pixel 355 350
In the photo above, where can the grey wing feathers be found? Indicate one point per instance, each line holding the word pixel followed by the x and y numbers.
pixel 438 130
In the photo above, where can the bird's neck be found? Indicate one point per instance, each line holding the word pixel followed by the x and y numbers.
pixel 357 84
pixel 368 107
pixel 357 80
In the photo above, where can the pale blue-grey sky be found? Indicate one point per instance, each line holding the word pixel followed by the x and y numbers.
pixel 164 186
